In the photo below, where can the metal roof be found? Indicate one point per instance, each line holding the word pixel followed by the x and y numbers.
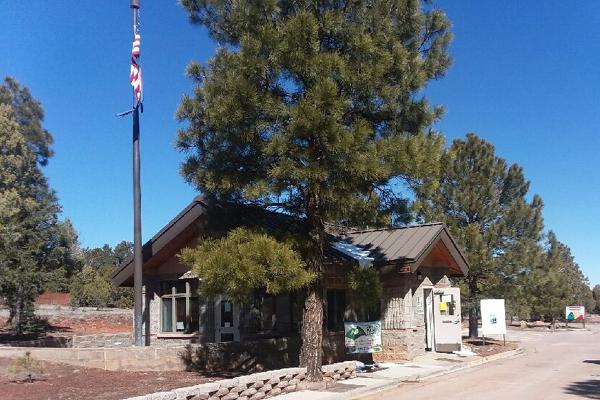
pixel 397 243
pixel 407 245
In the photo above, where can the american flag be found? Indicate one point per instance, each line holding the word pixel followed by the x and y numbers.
pixel 135 74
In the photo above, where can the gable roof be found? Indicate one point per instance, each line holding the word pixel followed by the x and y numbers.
pixel 406 245
pixel 179 229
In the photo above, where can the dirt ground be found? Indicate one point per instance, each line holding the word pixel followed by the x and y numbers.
pixel 492 346
pixel 92 324
pixel 65 382
pixel 69 325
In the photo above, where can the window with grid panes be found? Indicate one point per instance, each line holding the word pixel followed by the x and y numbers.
pixel 179 311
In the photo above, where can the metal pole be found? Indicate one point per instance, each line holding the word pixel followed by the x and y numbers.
pixel 137 215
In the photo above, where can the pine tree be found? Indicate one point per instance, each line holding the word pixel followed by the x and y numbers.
pixel 29 115
pixel 92 285
pixel 27 213
pixel 482 200
pixel 558 282
pixel 314 108
pixel 596 295
pixel 36 250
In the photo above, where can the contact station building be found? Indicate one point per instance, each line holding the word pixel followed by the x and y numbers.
pixel 419 309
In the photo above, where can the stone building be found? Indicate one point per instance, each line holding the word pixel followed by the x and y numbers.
pixel 415 263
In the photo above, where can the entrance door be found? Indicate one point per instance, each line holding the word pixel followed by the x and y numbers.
pixel 446 315
pixel 227 316
pixel 429 325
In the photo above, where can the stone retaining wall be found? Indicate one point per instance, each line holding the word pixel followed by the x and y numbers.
pixel 112 359
pixel 60 341
pixel 103 340
pixel 253 387
pixel 100 340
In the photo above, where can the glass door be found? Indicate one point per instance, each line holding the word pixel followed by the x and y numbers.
pixel 226 321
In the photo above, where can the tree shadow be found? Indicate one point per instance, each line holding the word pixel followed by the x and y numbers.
pixel 597 362
pixel 229 359
pixel 590 389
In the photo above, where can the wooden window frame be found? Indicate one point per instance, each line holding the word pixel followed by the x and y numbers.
pixel 188 295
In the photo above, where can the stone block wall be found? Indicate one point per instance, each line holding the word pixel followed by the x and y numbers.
pixel 402 313
pixel 112 359
pixel 248 356
pixel 61 341
pixel 103 340
pixel 257 386
pixel 401 344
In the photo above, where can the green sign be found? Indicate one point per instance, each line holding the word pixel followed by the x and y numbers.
pixel 362 337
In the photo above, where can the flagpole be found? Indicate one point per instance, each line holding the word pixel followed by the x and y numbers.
pixel 137 213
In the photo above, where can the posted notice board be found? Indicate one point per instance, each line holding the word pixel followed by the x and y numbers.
pixel 363 337
pixel 575 313
pixel 493 317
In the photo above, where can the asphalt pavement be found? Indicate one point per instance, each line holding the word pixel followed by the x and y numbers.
pixel 556 365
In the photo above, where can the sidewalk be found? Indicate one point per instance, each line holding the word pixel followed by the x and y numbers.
pixel 423 367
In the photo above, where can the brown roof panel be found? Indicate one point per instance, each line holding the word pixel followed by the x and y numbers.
pixel 421 239
pixel 398 243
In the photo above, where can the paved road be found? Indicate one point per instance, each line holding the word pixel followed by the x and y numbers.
pixel 560 365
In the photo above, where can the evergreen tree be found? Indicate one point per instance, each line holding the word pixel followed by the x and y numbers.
pixel 596 295
pixel 28 211
pixel 92 286
pixel 29 115
pixel 36 250
pixel 558 282
pixel 314 108
pixel 64 257
pixel 482 201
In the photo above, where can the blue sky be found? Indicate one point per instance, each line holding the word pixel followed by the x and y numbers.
pixel 525 77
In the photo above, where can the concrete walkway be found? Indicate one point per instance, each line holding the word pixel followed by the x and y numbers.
pixel 423 367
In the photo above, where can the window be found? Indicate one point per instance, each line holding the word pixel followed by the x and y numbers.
pixel 268 314
pixel 179 307
pixel 336 307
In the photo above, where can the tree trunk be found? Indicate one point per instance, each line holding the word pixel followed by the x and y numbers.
pixel 473 323
pixel 311 353
pixel 16 311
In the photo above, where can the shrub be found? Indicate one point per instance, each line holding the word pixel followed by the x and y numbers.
pixel 26 367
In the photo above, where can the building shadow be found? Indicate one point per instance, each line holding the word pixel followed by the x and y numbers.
pixel 589 389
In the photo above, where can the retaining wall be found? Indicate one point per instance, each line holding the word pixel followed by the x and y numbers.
pixel 102 340
pixel 253 387
pixel 113 359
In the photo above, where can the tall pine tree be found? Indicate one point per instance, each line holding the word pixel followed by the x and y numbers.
pixel 557 281
pixel 482 200
pixel 36 250
pixel 314 108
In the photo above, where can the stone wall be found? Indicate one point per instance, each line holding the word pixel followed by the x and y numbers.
pixel 112 359
pixel 253 387
pixel 401 344
pixel 248 356
pixel 102 340
pixel 61 341
pixel 402 313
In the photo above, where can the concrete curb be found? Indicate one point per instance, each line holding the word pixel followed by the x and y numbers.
pixel 396 382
